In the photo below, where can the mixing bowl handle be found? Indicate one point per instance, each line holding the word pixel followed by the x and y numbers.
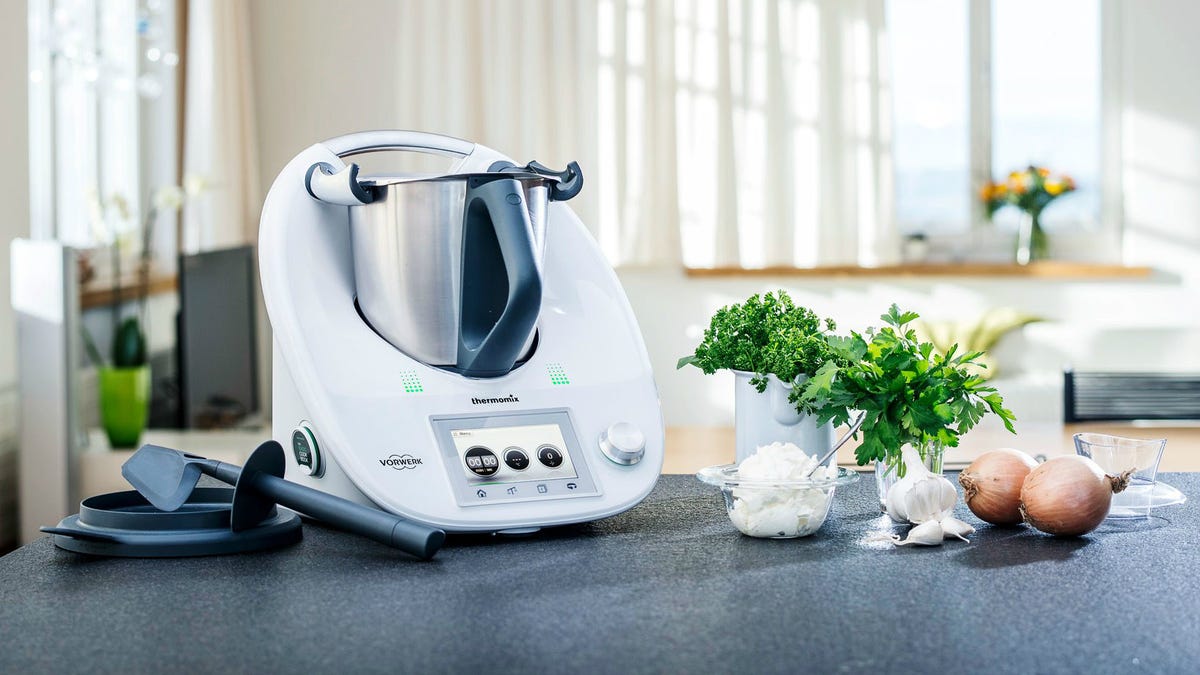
pixel 398 139
pixel 472 157
pixel 492 335
pixel 339 185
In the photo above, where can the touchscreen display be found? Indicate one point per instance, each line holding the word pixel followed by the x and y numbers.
pixel 513 457
pixel 513 454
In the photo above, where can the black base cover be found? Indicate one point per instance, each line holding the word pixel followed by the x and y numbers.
pixel 124 524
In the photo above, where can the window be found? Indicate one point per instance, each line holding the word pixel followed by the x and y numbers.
pixel 102 117
pixel 1046 98
pixel 932 138
pixel 1039 84
pixel 742 134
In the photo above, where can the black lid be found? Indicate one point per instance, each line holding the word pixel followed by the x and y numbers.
pixel 124 524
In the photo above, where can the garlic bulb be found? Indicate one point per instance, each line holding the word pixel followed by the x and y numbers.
pixel 914 470
pixel 921 495
pixel 926 500
pixel 931 498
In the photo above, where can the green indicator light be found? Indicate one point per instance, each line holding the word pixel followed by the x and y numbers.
pixel 412 383
pixel 558 374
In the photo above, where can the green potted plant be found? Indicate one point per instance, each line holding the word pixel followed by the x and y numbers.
pixel 125 378
pixel 771 345
pixel 125 386
pixel 912 397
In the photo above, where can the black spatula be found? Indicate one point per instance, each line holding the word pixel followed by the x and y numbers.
pixel 166 477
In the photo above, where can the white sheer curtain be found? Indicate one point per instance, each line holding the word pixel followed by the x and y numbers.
pixel 219 142
pixel 711 132
pixel 518 76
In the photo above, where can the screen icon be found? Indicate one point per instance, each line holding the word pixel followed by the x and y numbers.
pixel 481 461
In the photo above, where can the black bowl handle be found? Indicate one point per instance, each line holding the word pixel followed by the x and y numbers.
pixel 566 184
pixel 501 278
pixel 570 180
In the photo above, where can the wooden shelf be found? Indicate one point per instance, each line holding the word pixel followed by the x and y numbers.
pixel 1048 269
pixel 102 294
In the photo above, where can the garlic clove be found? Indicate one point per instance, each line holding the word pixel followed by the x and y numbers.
pixel 895 500
pixel 953 527
pixel 926 534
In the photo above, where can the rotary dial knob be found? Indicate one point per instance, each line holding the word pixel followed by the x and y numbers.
pixel 623 443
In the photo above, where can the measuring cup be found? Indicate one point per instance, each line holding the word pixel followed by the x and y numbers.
pixel 1116 455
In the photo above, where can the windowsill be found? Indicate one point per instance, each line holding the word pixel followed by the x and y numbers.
pixel 1047 269
pixel 102 294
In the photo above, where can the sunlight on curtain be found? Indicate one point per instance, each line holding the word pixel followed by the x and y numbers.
pixel 764 120
pixel 711 132
pixel 518 76
pixel 220 143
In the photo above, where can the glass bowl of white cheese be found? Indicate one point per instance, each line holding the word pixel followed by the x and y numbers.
pixel 778 492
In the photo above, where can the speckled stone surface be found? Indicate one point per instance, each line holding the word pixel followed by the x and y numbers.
pixel 669 586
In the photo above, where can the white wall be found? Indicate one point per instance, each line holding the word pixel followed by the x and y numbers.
pixel 1091 325
pixel 324 69
pixel 14 222
pixel 321 69
pixel 1162 135
pixel 14 181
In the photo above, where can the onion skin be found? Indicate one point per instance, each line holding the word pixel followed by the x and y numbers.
pixel 992 485
pixel 1069 496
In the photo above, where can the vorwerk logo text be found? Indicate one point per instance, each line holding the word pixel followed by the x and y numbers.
pixel 511 398
pixel 401 462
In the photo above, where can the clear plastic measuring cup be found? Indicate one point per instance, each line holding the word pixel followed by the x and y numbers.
pixel 1116 455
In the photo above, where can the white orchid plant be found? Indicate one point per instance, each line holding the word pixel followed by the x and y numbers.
pixel 112 221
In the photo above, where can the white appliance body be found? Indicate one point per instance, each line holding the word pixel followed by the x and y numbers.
pixel 395 433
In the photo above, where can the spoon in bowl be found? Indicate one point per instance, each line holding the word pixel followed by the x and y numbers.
pixel 841 441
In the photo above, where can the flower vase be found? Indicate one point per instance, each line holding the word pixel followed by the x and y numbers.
pixel 886 474
pixel 762 418
pixel 124 404
pixel 1032 242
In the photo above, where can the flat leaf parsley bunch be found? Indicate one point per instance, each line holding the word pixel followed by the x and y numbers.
pixel 909 393
pixel 765 335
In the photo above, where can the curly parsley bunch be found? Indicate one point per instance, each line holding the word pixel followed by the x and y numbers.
pixel 765 335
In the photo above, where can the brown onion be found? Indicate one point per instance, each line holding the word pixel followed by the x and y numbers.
pixel 1068 496
pixel 992 485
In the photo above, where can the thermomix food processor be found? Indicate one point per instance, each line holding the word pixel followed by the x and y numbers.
pixel 452 348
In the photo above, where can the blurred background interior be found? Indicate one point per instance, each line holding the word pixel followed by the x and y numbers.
pixel 1025 174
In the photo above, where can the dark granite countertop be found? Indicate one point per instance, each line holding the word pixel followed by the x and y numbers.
pixel 669 586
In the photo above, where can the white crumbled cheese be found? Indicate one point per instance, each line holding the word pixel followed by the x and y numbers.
pixel 782 461
pixel 780 512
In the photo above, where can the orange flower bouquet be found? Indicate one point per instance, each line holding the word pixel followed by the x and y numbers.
pixel 1031 190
